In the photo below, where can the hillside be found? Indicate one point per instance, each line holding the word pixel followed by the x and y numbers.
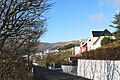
pixel 45 45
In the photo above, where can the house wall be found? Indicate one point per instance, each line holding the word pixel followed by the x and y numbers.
pixel 98 43
pixel 92 41
pixel 47 51
pixel 81 48
pixel 85 48
pixel 89 45
pixel 91 37
pixel 77 50
pixel 99 69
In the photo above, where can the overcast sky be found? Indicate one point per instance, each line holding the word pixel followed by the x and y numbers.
pixel 74 19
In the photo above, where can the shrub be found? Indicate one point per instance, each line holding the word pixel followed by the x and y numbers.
pixel 106 40
pixel 61 58
pixel 108 52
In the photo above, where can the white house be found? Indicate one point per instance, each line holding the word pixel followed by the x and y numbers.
pixel 97 36
pixel 76 50
pixel 95 40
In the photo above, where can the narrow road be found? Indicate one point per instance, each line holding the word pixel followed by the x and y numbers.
pixel 41 73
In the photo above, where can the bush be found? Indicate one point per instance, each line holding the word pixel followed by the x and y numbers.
pixel 108 52
pixel 106 40
pixel 61 58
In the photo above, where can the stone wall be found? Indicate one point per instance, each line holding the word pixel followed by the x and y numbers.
pixel 69 69
pixel 99 69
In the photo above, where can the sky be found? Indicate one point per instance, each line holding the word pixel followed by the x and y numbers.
pixel 74 19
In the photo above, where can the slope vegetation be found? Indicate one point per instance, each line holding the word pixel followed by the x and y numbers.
pixel 107 52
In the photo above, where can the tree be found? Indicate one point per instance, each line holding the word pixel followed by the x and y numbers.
pixel 22 23
pixel 116 25
pixel 18 18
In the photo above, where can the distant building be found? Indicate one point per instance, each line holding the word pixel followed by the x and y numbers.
pixel 52 50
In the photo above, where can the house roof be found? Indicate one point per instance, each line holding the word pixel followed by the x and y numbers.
pixel 101 33
pixel 86 42
pixel 104 33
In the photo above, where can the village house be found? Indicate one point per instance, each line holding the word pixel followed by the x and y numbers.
pixel 95 40
pixel 82 45
pixel 76 49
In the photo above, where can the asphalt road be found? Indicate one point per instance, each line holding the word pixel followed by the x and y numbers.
pixel 41 73
pixel 38 73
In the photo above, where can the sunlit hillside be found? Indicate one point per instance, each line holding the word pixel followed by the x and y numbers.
pixel 45 45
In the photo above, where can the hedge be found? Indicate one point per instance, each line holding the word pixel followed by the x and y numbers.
pixel 108 52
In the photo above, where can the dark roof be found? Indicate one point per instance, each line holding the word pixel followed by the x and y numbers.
pixel 101 33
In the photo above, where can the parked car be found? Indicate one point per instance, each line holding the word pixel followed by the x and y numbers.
pixel 55 66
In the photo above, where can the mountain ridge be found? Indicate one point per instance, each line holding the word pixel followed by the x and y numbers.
pixel 46 45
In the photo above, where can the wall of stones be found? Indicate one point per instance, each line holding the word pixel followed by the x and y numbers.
pixel 99 69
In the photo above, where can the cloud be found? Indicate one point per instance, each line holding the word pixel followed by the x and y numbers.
pixel 97 17
pixel 117 3
pixel 113 3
